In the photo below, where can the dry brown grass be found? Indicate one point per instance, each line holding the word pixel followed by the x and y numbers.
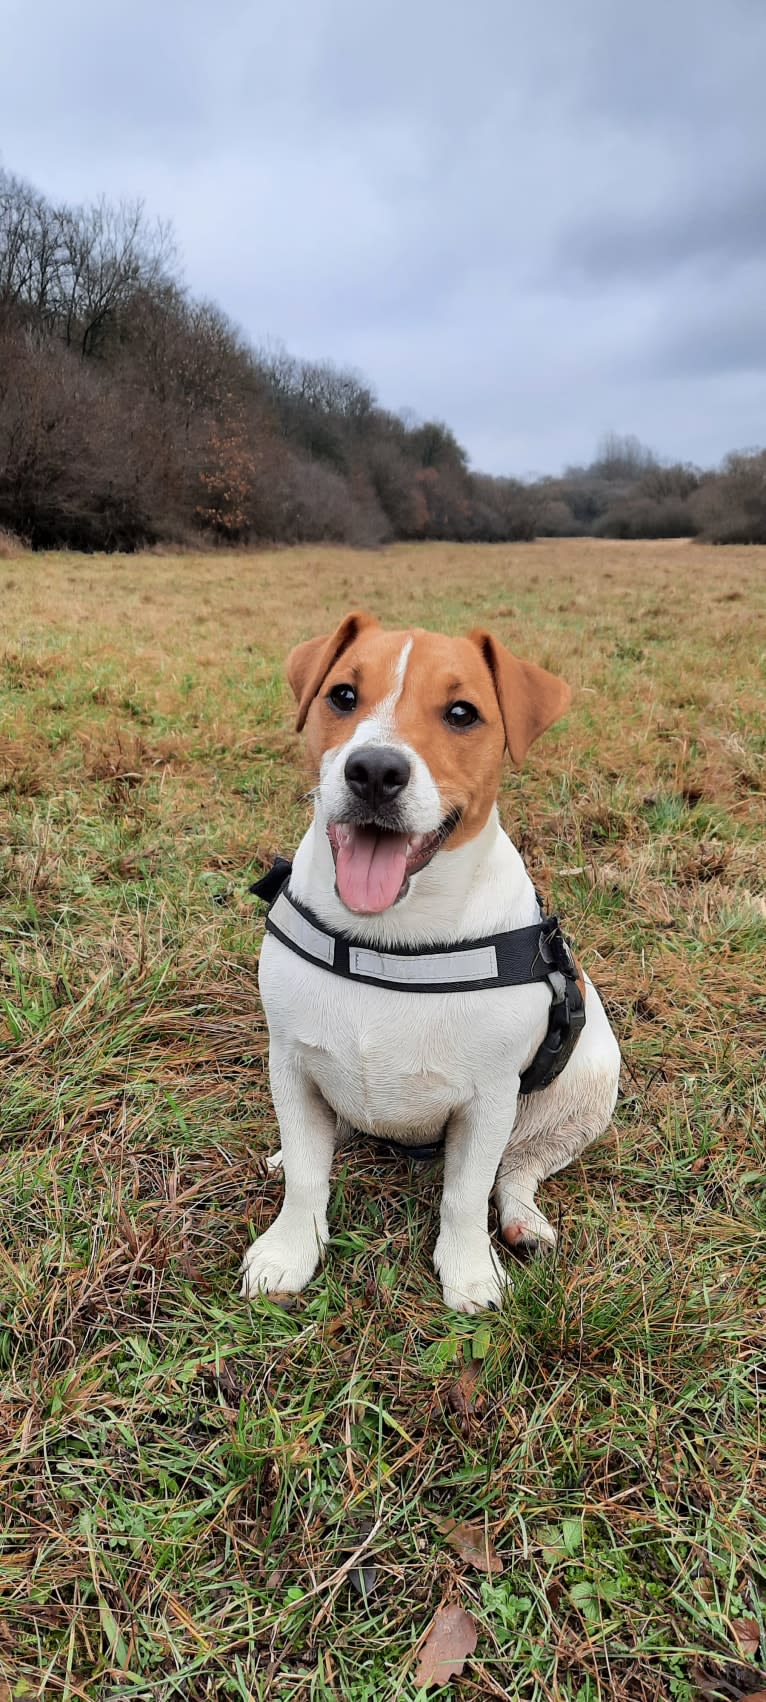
pixel 183 1478
pixel 10 546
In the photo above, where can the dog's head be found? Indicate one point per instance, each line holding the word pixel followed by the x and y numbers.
pixel 406 731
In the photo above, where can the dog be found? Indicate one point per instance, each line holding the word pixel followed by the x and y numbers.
pixel 404 868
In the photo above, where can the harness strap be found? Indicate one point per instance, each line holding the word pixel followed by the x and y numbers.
pixel 269 886
pixel 566 1021
pixel 518 957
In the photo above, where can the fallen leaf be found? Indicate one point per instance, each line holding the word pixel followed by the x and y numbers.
pixel 223 1381
pixel 363 1579
pixel 472 1544
pixel 463 1397
pixel 451 1639
pixel 189 1268
pixel 748 1635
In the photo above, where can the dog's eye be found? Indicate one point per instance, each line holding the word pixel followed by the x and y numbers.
pixel 342 698
pixel 461 715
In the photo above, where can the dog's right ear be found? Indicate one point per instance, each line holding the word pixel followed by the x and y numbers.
pixel 310 663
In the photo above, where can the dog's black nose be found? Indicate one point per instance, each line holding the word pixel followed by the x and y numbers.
pixel 376 774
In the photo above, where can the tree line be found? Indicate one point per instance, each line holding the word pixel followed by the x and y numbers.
pixel 132 413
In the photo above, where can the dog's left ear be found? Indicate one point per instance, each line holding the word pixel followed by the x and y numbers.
pixel 530 698
pixel 309 663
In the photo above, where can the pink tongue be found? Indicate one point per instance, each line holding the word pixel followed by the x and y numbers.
pixel 370 868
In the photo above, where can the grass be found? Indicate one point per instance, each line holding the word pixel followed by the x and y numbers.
pixel 201 1498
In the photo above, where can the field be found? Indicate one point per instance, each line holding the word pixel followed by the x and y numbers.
pixel 202 1498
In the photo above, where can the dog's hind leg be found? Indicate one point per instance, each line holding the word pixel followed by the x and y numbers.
pixel 554 1126
pixel 529 1158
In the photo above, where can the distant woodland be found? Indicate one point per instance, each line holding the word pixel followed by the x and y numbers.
pixel 133 414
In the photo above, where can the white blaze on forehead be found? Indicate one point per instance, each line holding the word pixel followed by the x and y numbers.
pixel 420 804
pixel 384 712
pixel 401 667
pixel 377 728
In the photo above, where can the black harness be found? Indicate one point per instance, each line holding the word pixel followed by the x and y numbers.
pixel 513 959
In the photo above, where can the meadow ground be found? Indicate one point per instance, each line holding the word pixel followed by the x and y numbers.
pixel 201 1498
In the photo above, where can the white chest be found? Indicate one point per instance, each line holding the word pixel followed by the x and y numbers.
pixel 391 1062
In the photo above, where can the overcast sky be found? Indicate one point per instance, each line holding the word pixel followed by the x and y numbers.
pixel 535 219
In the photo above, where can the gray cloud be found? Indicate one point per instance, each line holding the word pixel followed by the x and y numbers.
pixel 533 221
pixel 714 225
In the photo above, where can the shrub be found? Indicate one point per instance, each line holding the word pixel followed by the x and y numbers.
pixel 638 517
pixel 731 509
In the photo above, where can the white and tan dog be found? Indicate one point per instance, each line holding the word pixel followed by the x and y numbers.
pixel 406 731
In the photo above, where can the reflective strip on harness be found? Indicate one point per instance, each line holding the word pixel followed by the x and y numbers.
pixel 296 928
pixel 477 965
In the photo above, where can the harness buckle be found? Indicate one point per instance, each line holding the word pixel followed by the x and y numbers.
pixel 554 948
pixel 566 1018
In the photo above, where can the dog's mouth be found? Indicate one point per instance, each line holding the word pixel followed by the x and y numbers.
pixel 373 864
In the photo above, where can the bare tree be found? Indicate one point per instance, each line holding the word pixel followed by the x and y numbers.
pixel 622 458
pixel 30 250
pixel 106 254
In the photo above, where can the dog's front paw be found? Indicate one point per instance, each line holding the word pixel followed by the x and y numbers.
pixel 472 1276
pixel 283 1260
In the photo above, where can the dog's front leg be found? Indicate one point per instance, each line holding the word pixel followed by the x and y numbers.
pixel 471 1274
pixel 286 1256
